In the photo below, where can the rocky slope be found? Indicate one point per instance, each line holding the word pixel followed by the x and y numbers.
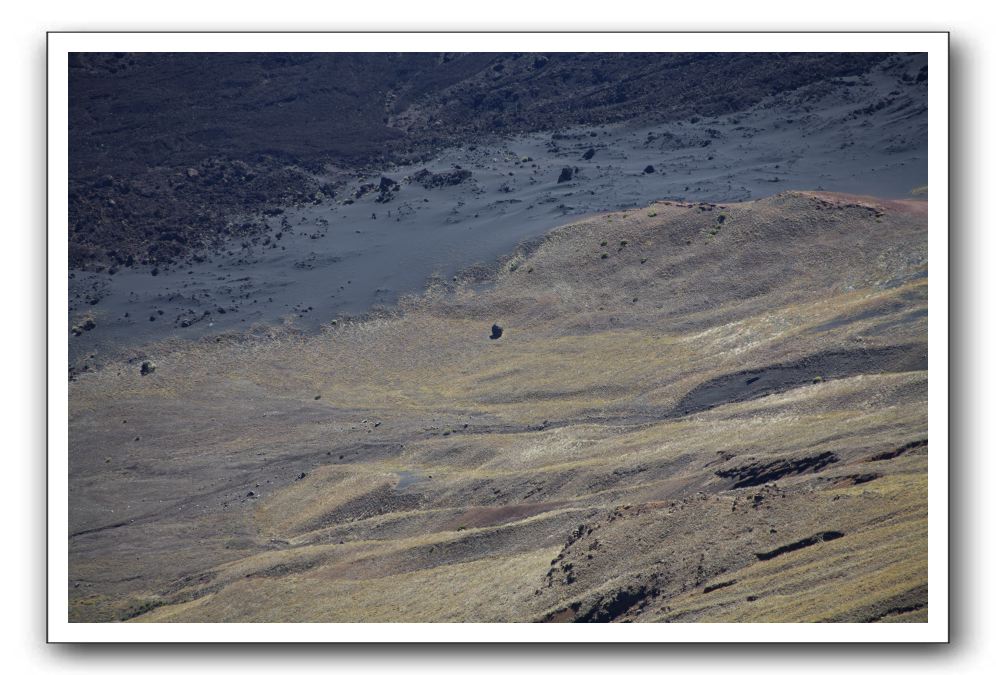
pixel 366 239
pixel 170 153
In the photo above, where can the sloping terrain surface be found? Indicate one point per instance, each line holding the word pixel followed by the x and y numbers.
pixel 366 238
pixel 170 152
pixel 695 412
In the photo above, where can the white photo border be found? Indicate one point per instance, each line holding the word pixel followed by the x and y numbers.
pixel 60 44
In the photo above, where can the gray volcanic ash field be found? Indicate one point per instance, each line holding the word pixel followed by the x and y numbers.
pixel 364 241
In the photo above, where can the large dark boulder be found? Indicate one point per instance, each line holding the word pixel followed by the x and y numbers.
pixel 386 189
pixel 496 331
pixel 566 174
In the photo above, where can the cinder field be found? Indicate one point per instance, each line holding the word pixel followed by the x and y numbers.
pixel 696 412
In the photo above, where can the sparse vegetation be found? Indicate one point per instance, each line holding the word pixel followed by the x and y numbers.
pixel 577 450
pixel 143 608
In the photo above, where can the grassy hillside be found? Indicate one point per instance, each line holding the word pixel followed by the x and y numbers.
pixel 696 412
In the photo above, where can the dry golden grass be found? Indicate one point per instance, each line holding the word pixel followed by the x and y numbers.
pixel 442 471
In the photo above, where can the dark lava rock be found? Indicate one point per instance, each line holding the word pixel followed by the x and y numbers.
pixel 759 473
pixel 88 324
pixel 589 154
pixel 650 169
pixel 386 189
pixel 496 331
pixel 362 189
pixel 148 367
pixel 566 174
pixel 430 180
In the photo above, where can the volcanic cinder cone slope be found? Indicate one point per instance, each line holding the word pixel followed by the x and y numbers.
pixel 695 412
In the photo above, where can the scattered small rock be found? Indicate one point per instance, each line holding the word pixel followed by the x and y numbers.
pixel 80 328
pixel 148 367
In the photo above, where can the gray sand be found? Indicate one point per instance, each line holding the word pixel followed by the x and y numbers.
pixel 337 260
